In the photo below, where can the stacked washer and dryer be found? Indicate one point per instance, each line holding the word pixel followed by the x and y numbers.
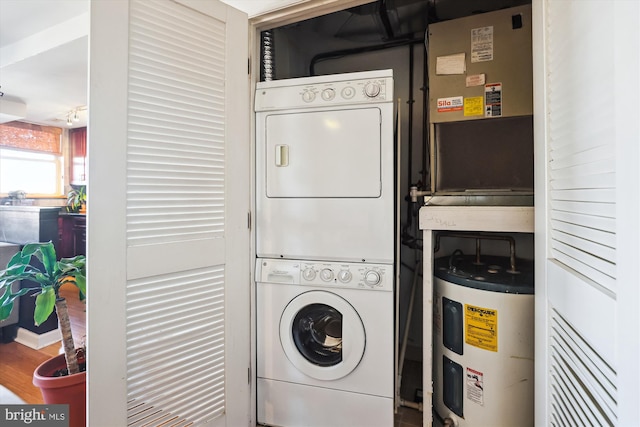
pixel 325 248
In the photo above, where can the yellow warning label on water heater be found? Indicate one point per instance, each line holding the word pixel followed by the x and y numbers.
pixel 481 327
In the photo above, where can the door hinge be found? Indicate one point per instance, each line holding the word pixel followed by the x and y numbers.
pixel 249 66
pixel 249 375
pixel 249 220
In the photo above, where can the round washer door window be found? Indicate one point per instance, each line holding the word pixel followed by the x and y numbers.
pixel 322 335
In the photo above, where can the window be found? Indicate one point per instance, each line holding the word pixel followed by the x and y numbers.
pixel 30 159
pixel 35 173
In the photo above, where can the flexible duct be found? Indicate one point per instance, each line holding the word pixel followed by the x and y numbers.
pixel 268 56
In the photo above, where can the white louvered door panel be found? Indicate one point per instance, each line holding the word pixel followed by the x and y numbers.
pixel 582 383
pixel 581 151
pixel 577 306
pixel 182 164
pixel 581 177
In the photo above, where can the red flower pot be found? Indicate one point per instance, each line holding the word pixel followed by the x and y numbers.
pixel 69 389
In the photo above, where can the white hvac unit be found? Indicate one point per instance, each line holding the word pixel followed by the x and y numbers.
pixel 484 340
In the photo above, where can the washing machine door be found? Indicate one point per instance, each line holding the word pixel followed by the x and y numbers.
pixel 322 335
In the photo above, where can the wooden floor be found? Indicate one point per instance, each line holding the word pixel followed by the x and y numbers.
pixel 17 361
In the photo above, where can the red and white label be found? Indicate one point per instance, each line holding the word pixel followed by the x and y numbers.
pixel 475 386
pixel 446 105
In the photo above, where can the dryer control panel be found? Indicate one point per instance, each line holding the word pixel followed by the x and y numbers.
pixel 377 277
pixel 321 91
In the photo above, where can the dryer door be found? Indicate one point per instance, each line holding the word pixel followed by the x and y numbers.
pixel 322 335
pixel 323 154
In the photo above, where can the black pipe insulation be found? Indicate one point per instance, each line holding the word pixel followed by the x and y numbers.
pixel 384 17
pixel 364 49
pixel 410 102
pixel 426 151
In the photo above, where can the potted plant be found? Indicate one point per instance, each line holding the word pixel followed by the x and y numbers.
pixel 77 199
pixel 70 383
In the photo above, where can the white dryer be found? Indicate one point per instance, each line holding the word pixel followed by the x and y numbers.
pixel 325 341
pixel 324 168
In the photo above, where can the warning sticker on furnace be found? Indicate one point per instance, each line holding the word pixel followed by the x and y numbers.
pixel 493 100
pixel 481 327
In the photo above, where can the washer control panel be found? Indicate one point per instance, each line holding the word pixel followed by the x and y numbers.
pixel 325 274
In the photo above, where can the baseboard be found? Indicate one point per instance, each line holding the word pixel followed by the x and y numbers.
pixel 37 341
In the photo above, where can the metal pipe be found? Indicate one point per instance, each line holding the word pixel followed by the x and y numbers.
pixel 511 240
pixel 414 193
pixel 410 404
pixel 407 325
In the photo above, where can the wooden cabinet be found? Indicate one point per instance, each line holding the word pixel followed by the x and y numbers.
pixel 72 230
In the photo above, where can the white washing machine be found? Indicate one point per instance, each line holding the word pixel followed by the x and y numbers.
pixel 324 168
pixel 325 341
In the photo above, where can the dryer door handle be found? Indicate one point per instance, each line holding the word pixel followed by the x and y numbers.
pixel 282 155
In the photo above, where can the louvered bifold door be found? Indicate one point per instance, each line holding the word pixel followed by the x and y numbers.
pixel 581 372
pixel 177 216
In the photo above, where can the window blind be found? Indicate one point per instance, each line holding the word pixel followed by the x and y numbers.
pixel 27 136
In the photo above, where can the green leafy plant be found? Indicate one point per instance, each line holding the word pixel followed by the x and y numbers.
pixel 76 197
pixel 49 278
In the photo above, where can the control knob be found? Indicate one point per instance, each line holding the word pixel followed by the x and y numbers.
pixel 372 89
pixel 309 273
pixel 326 274
pixel 308 96
pixel 372 278
pixel 328 94
pixel 345 276
pixel 348 92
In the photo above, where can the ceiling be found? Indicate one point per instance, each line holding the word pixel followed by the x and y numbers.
pixel 44 58
pixel 44 53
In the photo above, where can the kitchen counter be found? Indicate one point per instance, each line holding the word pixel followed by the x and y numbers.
pixel 71 214
pixel 28 224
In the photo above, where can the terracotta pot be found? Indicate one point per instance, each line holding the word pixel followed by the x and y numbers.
pixel 70 389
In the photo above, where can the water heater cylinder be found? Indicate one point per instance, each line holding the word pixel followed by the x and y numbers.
pixel 484 341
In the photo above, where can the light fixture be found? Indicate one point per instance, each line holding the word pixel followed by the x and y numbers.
pixel 74 115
